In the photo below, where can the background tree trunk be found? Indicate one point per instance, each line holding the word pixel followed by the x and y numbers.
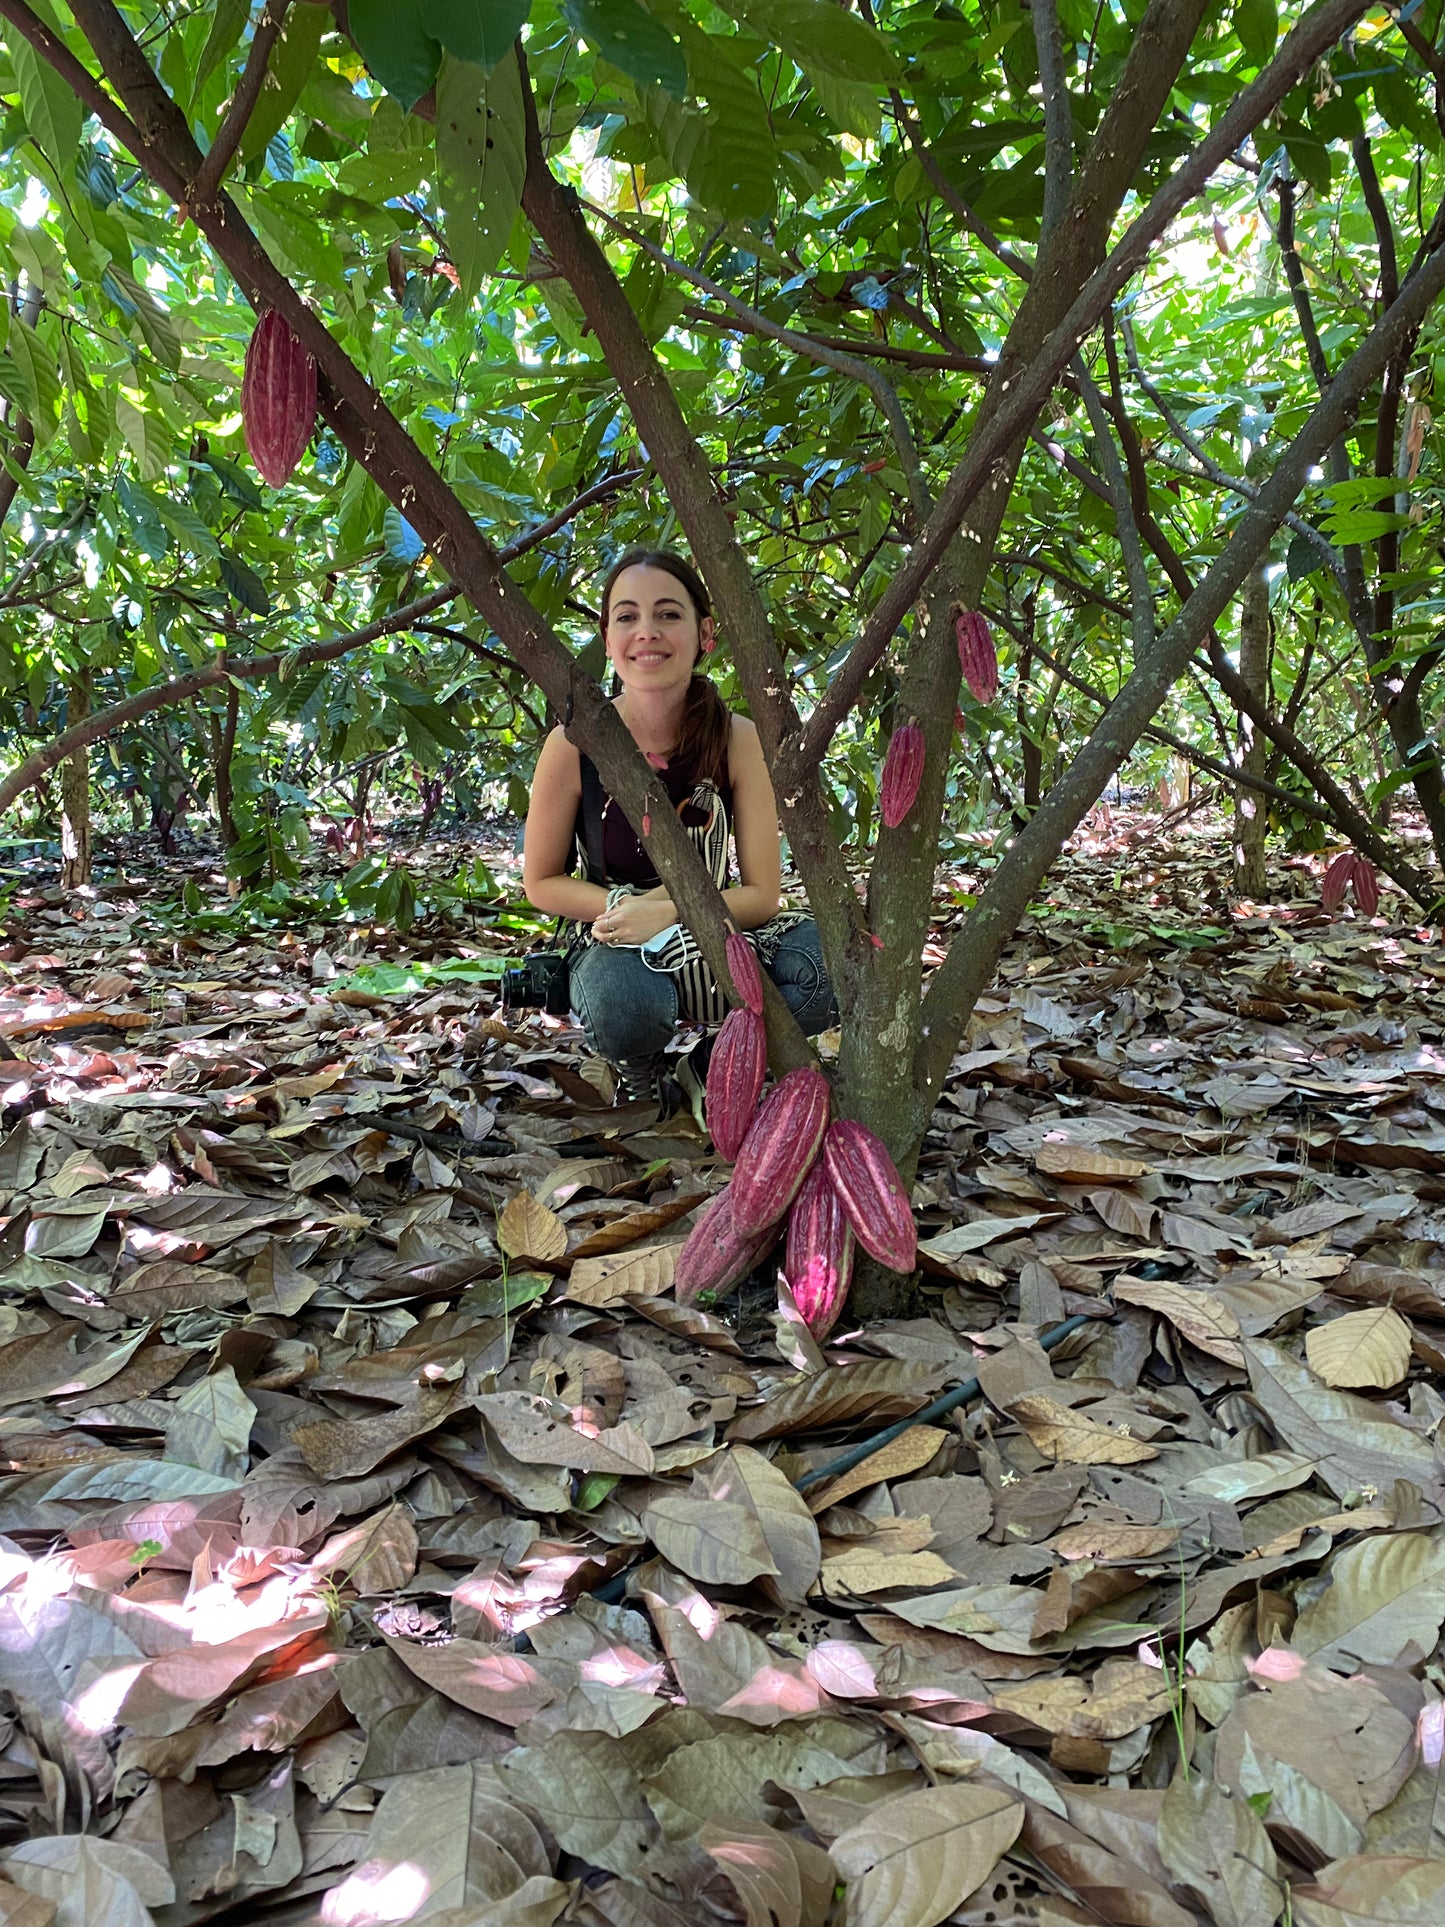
pixel 1251 818
pixel 75 791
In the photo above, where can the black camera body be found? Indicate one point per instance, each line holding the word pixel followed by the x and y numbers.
pixel 539 982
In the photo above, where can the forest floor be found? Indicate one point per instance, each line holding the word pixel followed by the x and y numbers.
pixel 382 1542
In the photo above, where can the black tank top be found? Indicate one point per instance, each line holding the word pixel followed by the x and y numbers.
pixel 625 859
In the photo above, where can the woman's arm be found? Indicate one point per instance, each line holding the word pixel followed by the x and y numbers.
pixel 548 838
pixel 756 897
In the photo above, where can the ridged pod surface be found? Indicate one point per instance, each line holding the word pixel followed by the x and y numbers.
pixel 1337 881
pixel 818 1261
pixel 872 1193
pixel 735 1079
pixel 747 978
pixel 902 773
pixel 716 1254
pixel 977 656
pixel 1367 887
pixel 779 1149
pixel 278 398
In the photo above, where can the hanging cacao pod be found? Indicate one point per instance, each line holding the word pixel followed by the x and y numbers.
pixel 1337 881
pixel 716 1254
pixel 902 773
pixel 1367 887
pixel 977 656
pixel 735 1079
pixel 872 1193
pixel 747 978
pixel 278 399
pixel 779 1149
pixel 818 1263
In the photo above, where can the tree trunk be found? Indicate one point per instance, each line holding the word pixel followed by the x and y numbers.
pixel 223 750
pixel 1250 815
pixel 75 792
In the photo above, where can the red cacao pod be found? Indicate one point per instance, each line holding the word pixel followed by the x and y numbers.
pixel 1367 887
pixel 747 978
pixel 902 773
pixel 1337 881
pixel 872 1193
pixel 278 399
pixel 735 1079
pixel 977 656
pixel 716 1254
pixel 818 1263
pixel 779 1149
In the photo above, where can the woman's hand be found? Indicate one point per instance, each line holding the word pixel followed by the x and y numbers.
pixel 634 920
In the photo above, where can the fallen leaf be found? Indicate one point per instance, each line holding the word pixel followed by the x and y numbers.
pixel 527 1229
pixel 1360 1348
pixel 1072 1438
pixel 914 1859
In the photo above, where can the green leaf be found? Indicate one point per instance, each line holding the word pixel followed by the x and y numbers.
pixel 227 19
pixel 624 33
pixel 396 46
pixel 1257 24
pixel 28 379
pixel 481 161
pixel 53 112
pixel 187 527
pixel 292 59
pixel 243 584
pixel 481 31
pixel 822 38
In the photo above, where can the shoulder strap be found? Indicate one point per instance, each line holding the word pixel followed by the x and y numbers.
pixel 593 798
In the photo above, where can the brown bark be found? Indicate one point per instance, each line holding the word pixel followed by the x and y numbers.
pixel 75 829
pixel 224 742
pixel 1250 818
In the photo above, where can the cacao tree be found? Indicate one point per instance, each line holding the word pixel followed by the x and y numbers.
pixel 862 305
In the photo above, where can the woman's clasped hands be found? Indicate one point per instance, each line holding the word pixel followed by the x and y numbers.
pixel 631 921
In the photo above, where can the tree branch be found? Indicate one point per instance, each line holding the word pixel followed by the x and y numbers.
pixel 972 222
pixel 242 104
pixel 1058 113
pixel 879 350
pixel 981 464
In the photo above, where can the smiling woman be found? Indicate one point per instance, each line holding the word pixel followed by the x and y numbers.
pixel 635 968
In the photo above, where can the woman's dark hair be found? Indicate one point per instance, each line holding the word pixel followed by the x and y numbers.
pixel 706 724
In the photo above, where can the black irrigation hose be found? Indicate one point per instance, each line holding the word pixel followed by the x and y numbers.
pixel 613 1591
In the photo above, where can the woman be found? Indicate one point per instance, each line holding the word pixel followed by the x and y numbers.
pixel 635 969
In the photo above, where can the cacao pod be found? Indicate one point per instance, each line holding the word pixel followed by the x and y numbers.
pixel 902 773
pixel 1367 887
pixel 1337 881
pixel 716 1254
pixel 747 978
pixel 779 1149
pixel 735 1079
pixel 872 1193
pixel 278 399
pixel 977 656
pixel 818 1263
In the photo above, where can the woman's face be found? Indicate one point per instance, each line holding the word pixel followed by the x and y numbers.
pixel 653 633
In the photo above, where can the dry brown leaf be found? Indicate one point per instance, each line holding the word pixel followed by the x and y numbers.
pixel 1361 1348
pixel 1122 1696
pixel 502 1686
pixel 1072 1438
pixel 779 1877
pixel 1196 1315
pixel 882 1389
pixel 910 1452
pixel 711 1540
pixel 605 1281
pixel 1081 1164
pixel 526 1229
pixel 539 1432
pixel 377 1556
pixel 618 1233
pixel 860 1571
pixel 915 1859
pixel 1105 1540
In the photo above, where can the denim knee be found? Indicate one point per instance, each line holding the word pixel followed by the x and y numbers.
pixel 802 978
pixel 626 1010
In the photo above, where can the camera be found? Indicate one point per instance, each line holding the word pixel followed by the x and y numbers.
pixel 539 982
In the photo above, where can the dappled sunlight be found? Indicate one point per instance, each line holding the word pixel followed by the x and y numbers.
pixel 376 1894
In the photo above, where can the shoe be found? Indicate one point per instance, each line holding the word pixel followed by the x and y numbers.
pixel 639 1080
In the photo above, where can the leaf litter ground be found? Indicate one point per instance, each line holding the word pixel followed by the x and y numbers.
pixel 381 1541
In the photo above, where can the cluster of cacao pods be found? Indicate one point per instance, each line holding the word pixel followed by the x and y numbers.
pixel 977 657
pixel 902 773
pixel 278 398
pixel 835 1184
pixel 1351 870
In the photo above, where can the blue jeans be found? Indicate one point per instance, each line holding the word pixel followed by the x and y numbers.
pixel 629 1011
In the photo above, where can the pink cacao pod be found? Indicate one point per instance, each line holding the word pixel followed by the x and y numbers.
pixel 716 1254
pixel 278 399
pixel 818 1263
pixel 902 773
pixel 779 1149
pixel 747 978
pixel 977 656
pixel 1367 887
pixel 735 1079
pixel 1337 881
pixel 872 1194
